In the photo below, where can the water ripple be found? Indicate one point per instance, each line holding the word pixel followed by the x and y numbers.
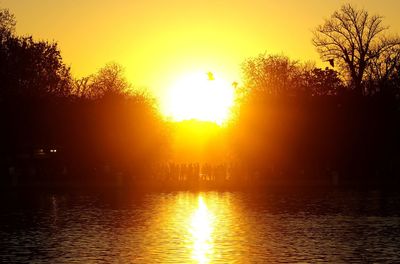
pixel 210 227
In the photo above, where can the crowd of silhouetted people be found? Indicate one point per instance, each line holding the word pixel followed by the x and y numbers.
pixel 193 172
pixel 203 174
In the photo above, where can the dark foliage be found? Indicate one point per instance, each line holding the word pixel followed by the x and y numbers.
pixel 306 126
pixel 59 130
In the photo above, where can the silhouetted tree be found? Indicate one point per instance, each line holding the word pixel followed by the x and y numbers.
pixel 33 79
pixel 311 124
pixel 322 81
pixel 383 72
pixel 7 24
pixel 81 87
pixel 270 74
pixel 109 81
pixel 353 38
pixel 118 125
pixel 32 69
pixel 97 121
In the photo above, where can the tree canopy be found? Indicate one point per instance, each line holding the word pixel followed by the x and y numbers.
pixel 354 39
pixel 271 75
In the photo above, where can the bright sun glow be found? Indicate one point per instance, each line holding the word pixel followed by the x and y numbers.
pixel 201 96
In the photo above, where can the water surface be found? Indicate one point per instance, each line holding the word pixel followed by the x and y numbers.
pixel 201 227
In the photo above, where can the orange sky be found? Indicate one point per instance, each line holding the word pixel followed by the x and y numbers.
pixel 158 41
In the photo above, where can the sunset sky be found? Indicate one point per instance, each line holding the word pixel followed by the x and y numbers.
pixel 159 41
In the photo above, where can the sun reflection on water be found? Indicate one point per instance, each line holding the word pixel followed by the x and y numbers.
pixel 201 229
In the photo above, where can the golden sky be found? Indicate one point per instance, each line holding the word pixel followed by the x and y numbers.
pixel 158 41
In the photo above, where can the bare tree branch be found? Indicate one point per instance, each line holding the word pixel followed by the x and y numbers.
pixel 353 38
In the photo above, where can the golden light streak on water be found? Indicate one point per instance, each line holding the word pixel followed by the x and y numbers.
pixel 201 229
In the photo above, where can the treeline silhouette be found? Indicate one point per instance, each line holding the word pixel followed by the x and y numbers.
pixel 301 124
pixel 315 139
pixel 61 130
pixel 293 123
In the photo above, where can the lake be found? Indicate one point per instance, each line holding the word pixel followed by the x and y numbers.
pixel 336 226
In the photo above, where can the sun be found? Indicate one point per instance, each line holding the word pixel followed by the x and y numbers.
pixel 199 95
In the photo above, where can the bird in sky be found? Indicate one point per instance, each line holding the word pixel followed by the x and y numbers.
pixel 210 76
pixel 331 62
